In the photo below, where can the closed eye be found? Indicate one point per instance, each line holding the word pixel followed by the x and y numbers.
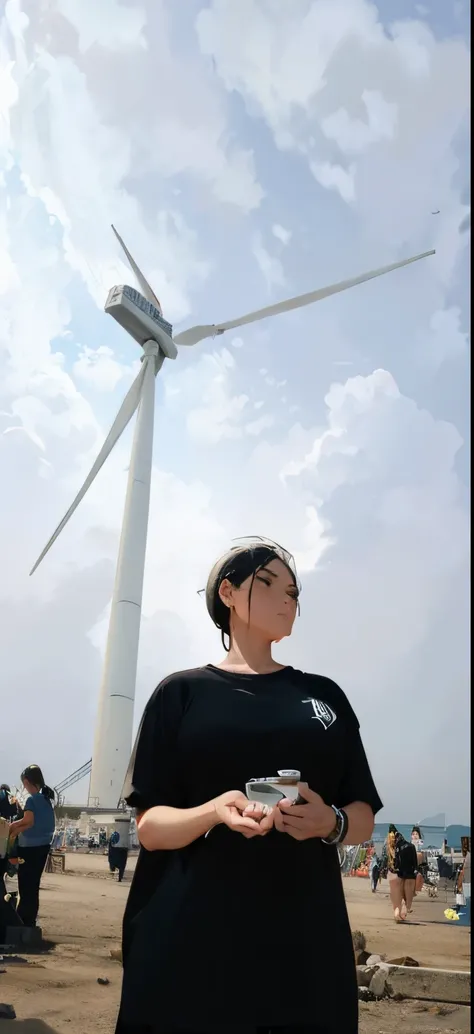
pixel 292 593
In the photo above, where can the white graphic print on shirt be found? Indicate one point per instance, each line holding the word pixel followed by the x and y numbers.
pixel 322 712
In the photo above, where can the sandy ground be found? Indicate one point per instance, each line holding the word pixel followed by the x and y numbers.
pixel 80 912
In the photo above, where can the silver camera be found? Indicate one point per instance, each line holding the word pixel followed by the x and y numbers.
pixel 272 789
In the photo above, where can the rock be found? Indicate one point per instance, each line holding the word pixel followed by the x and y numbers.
pixel 103 981
pixel 361 958
pixel 406 960
pixel 364 975
pixel 7 1012
pixel 378 984
pixel 374 960
pixel 365 995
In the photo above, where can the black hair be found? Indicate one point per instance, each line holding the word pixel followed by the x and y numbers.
pixel 238 564
pixel 6 787
pixel 35 776
pixel 416 829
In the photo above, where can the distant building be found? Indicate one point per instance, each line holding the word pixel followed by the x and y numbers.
pixel 432 836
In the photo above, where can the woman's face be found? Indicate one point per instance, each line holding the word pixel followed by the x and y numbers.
pixel 273 601
pixel 29 786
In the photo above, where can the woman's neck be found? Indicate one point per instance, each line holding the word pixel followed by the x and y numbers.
pixel 250 655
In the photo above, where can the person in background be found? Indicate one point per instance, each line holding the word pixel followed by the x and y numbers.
pixel 460 899
pixel 465 886
pixel 35 833
pixel 9 810
pixel 8 805
pixel 400 863
pixel 374 872
pixel 417 842
pixel 117 855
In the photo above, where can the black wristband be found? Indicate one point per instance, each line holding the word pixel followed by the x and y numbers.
pixel 345 825
pixel 341 828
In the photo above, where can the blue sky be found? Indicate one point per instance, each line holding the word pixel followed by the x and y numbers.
pixel 245 155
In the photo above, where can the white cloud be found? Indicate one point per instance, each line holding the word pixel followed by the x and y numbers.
pixel 331 81
pixel 270 267
pixel 281 233
pixel 221 414
pixel 112 26
pixel 353 136
pixel 334 177
pixel 98 368
pixel 255 427
pixel 446 339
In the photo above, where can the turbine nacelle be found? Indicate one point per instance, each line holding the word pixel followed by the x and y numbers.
pixel 140 318
pixel 139 313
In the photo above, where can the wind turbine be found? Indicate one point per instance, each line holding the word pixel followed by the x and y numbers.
pixel 140 314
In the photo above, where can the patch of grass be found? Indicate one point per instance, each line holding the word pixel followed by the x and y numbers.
pixel 359 940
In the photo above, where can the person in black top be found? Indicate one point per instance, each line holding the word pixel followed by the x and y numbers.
pixel 399 864
pixel 8 805
pixel 8 811
pixel 236 921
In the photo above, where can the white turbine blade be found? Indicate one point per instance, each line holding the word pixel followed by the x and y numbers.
pixel 124 415
pixel 144 285
pixel 195 334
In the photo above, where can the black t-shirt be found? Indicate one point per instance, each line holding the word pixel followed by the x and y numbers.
pixel 8 810
pixel 235 912
pixel 406 860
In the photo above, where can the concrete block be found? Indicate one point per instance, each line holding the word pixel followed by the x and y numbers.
pixel 435 985
pixel 378 984
pixel 364 975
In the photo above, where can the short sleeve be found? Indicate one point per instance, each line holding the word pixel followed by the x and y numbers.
pixel 357 783
pixel 152 777
pixel 29 804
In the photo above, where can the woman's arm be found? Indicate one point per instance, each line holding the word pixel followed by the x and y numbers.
pixel 20 825
pixel 169 829
pixel 361 822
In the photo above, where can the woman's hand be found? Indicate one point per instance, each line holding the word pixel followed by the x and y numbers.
pixel 303 821
pixel 243 816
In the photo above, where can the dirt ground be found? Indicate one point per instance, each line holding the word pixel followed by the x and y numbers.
pixel 81 911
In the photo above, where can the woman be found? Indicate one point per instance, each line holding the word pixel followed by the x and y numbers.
pixel 400 863
pixel 465 887
pixel 35 832
pixel 227 927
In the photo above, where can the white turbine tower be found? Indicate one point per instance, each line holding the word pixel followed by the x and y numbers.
pixel 141 316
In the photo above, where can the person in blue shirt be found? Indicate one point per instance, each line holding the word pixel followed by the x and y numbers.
pixel 35 832
pixel 118 855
